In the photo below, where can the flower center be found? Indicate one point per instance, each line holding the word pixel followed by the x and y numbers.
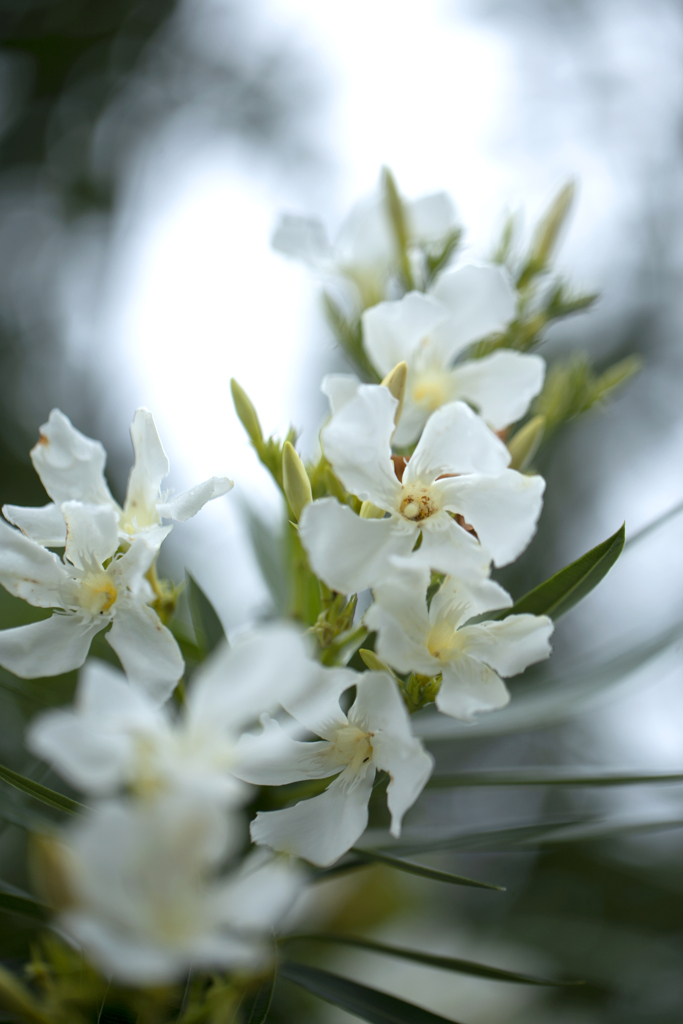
pixel 418 503
pixel 97 592
pixel 431 390
pixel 352 747
pixel 444 642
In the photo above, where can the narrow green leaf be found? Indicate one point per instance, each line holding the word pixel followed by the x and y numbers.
pixel 256 1004
pixel 366 1003
pixel 422 870
pixel 571 584
pixel 207 625
pixel 510 838
pixel 541 777
pixel 19 904
pixel 443 963
pixel 649 528
pixel 38 792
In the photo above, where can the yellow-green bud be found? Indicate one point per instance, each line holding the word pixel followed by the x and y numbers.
pixel 549 229
pixel 396 381
pixel 372 662
pixel 247 413
pixel 370 511
pixel 297 486
pixel 526 442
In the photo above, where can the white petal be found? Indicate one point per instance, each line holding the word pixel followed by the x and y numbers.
pixel 92 760
pixel 482 300
pixel 346 552
pixel 458 599
pixel 129 569
pixel 44 525
pixel 130 959
pixel 321 829
pixel 260 893
pixel 235 685
pixel 365 239
pixel 501 385
pixel 29 571
pixel 448 547
pixel 400 617
pixel 468 686
pixel 147 650
pixel 70 465
pixel 502 509
pixel 411 423
pixel 511 645
pixel 455 440
pixel 183 506
pixel 150 468
pixel 340 388
pixel 48 648
pixel 92 533
pixel 273 758
pixel 318 708
pixel 357 442
pixel 304 238
pixel 431 217
pixel 393 330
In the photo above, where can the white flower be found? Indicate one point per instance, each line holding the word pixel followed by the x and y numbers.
pixel 365 251
pixel 71 468
pixel 459 466
pixel 470 658
pixel 428 333
pixel 375 735
pixel 118 736
pixel 87 597
pixel 148 905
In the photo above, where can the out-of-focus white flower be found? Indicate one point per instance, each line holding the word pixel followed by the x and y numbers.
pixel 459 466
pixel 147 903
pixel 71 468
pixel 430 332
pixel 375 735
pixel 437 640
pixel 118 736
pixel 364 251
pixel 91 588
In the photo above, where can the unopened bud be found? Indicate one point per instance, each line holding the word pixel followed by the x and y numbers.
pixel 396 381
pixel 297 486
pixel 48 862
pixel 526 442
pixel 370 511
pixel 548 231
pixel 372 662
pixel 247 413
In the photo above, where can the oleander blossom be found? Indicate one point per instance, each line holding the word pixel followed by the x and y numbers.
pixel 439 639
pixel 93 586
pixel 374 736
pixel 150 899
pixel 429 332
pixel 71 468
pixel 458 467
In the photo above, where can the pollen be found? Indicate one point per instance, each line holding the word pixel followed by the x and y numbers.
pixel 418 504
pixel 98 593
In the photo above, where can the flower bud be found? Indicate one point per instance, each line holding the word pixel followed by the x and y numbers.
pixel 370 511
pixel 549 229
pixel 247 413
pixel 396 382
pixel 297 486
pixel 372 662
pixel 526 442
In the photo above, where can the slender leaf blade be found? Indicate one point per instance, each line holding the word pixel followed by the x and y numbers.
pixel 367 1003
pixel 422 870
pixel 207 626
pixel 541 777
pixel 38 792
pixel 570 585
pixel 15 903
pixel 256 1006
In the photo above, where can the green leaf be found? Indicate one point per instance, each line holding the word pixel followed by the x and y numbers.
pixel 256 1004
pixel 421 870
pixel 38 792
pixel 207 626
pixel 444 963
pixel 15 903
pixel 571 584
pixel 541 777
pixel 649 528
pixel 366 1003
pixel 509 838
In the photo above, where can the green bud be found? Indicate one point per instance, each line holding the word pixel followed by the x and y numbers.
pixel 370 511
pixel 548 231
pixel 396 382
pixel 247 413
pixel 372 662
pixel 526 442
pixel 397 219
pixel 295 482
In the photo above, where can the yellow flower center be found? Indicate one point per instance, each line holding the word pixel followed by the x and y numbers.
pixel 418 503
pixel 431 390
pixel 352 747
pixel 444 642
pixel 97 593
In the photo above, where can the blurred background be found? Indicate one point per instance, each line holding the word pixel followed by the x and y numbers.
pixel 146 150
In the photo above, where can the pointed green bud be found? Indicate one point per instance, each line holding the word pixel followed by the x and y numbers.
pixel 397 219
pixel 295 482
pixel 247 413
pixel 396 382
pixel 526 442
pixel 548 231
pixel 370 511
pixel 372 662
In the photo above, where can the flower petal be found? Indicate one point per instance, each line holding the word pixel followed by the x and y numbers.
pixel 321 829
pixel 399 615
pixel 92 760
pixel 261 892
pixel 304 238
pixel 128 570
pixel 147 650
pixel 69 464
pixel 150 468
pixel 501 385
pixel 468 686
pixel 183 506
pixel 92 533
pixel 430 218
pixel 455 440
pixel 273 758
pixel 318 707
pixel 340 388
pixel 43 525
pixel 450 548
pixel 393 330
pixel 357 442
pixel 458 599
pixel 50 647
pixel 29 571
pixel 481 299
pixel 346 552
pixel 511 645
